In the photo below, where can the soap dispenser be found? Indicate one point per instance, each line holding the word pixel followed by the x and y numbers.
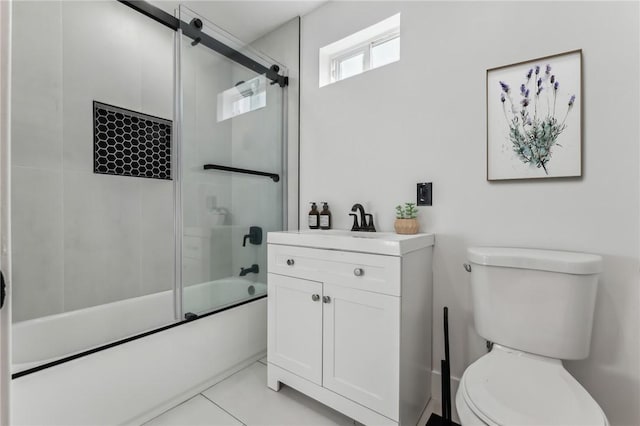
pixel 314 217
pixel 325 216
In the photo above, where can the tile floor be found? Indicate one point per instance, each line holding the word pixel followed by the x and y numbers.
pixel 245 399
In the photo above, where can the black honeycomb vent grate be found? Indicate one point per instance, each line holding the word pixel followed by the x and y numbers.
pixel 129 143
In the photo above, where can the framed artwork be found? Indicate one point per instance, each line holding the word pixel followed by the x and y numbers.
pixel 534 118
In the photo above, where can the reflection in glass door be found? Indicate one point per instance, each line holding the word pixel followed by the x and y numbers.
pixel 230 164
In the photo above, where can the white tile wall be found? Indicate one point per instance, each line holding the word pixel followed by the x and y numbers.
pixel 156 235
pixel 82 239
pixel 37 78
pixel 101 238
pixel 156 53
pixel 37 244
pixel 101 59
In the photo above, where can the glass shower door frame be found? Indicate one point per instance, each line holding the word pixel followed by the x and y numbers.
pixel 176 155
pixel 177 148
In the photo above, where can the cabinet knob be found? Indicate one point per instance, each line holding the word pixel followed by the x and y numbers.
pixel 315 297
pixel 326 299
pixel 358 272
pixel 290 262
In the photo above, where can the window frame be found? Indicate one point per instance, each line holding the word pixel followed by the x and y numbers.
pixel 363 48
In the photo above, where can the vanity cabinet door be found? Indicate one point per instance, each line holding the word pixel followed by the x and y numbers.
pixel 361 347
pixel 295 326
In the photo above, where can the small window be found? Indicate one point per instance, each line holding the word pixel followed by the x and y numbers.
pixel 244 97
pixel 348 66
pixel 370 48
pixel 385 51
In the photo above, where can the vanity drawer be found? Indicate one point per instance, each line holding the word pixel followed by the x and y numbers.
pixel 370 272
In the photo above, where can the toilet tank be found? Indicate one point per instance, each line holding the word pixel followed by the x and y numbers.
pixel 536 301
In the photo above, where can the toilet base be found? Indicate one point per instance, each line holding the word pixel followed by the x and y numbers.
pixel 540 376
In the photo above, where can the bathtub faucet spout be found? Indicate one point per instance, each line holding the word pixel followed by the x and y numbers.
pixel 254 268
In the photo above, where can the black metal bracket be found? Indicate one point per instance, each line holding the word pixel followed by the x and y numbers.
pixel 193 30
pixel 190 316
pixel 3 290
pixel 274 176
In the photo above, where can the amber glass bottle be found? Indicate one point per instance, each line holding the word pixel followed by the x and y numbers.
pixel 314 217
pixel 325 216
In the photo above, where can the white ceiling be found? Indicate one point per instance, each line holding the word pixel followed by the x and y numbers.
pixel 246 20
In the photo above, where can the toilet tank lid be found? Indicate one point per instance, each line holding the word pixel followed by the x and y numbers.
pixel 543 260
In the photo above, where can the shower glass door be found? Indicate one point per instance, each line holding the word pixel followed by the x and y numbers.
pixel 231 177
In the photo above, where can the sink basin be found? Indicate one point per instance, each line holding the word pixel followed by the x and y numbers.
pixel 388 243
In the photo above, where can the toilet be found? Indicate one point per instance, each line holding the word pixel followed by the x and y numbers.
pixel 536 307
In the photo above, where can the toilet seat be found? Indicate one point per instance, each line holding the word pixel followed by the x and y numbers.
pixel 508 387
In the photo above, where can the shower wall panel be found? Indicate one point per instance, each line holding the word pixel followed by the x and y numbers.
pixel 82 239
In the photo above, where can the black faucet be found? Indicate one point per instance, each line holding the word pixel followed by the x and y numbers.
pixel 254 236
pixel 355 226
pixel 254 268
pixel 363 220
pixel 363 225
pixel 370 227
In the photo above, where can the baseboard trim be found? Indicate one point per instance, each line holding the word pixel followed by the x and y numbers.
pixel 436 391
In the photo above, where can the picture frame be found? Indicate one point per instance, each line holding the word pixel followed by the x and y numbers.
pixel 534 118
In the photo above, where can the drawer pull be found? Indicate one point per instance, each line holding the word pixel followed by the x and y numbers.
pixel 326 299
pixel 315 297
pixel 290 262
pixel 358 272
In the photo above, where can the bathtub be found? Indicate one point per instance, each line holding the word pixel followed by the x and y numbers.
pixel 47 339
pixel 136 380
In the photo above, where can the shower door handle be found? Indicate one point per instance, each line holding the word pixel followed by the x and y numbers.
pixel 3 290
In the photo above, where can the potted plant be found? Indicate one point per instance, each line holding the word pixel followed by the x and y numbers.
pixel 406 222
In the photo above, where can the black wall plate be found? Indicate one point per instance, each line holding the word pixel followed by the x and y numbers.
pixel 424 193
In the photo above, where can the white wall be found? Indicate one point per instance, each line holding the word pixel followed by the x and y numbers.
pixel 283 44
pixel 371 138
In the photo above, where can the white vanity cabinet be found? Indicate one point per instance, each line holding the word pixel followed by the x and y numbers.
pixel 349 321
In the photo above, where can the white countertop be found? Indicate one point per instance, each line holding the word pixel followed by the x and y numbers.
pixel 387 243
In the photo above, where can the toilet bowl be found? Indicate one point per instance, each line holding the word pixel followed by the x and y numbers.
pixel 536 306
pixel 509 387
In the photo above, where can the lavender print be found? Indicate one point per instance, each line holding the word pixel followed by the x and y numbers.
pixel 531 118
